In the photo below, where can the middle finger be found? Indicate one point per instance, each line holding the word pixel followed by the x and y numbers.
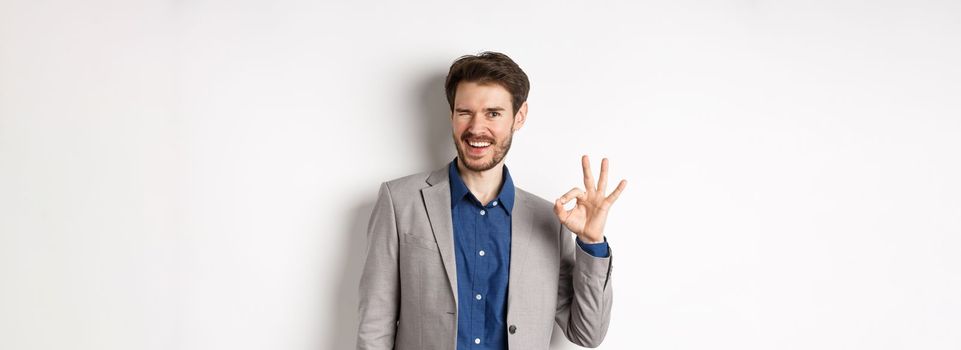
pixel 588 177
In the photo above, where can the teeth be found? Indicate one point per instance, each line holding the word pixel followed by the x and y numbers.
pixel 479 144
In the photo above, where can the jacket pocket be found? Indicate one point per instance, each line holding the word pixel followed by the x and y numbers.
pixel 420 241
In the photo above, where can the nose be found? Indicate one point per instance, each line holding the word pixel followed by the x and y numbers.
pixel 476 125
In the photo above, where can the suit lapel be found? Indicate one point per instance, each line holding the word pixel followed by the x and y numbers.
pixel 522 223
pixel 437 201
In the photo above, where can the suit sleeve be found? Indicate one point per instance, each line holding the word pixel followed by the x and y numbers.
pixel 598 250
pixel 380 282
pixel 584 293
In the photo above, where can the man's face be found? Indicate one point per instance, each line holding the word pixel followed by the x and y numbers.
pixel 482 124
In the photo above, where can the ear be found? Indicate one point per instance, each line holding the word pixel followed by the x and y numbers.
pixel 520 117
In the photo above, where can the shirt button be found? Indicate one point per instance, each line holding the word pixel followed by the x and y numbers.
pixel 512 329
pixel 476 340
pixel 481 253
pixel 495 203
pixel 479 297
pixel 483 212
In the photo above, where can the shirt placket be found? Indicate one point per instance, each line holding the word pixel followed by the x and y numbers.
pixel 481 275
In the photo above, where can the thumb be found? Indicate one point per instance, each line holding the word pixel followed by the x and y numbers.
pixel 559 209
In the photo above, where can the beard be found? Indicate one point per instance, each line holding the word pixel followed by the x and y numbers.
pixel 499 149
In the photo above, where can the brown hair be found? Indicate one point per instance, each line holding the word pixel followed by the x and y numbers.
pixel 489 67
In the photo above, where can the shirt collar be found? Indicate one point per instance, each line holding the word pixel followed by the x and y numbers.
pixel 458 189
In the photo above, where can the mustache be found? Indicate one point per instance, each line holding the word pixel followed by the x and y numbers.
pixel 470 137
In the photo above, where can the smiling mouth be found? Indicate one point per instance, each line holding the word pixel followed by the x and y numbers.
pixel 478 148
pixel 479 144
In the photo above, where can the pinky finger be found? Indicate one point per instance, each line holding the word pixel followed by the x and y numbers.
pixel 617 192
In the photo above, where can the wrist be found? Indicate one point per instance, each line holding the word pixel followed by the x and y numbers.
pixel 588 240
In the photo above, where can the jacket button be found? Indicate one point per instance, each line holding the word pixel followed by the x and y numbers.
pixel 512 329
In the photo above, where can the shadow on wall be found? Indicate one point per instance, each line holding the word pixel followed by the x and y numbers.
pixel 342 310
pixel 438 143
pixel 438 149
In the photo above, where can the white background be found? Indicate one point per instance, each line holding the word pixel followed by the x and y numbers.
pixel 199 174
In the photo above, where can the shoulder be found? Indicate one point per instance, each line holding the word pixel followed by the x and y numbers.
pixel 408 185
pixel 529 197
pixel 417 181
pixel 541 212
pixel 538 203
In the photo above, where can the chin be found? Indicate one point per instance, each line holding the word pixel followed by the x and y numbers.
pixel 483 164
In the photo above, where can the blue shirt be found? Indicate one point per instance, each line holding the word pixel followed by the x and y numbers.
pixel 482 246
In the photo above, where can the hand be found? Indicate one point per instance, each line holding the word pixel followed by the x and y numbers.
pixel 587 218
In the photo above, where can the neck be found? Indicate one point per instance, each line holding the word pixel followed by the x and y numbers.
pixel 482 184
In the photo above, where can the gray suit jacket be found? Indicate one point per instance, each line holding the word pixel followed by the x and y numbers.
pixel 408 290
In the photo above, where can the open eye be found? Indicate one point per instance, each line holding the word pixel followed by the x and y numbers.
pixel 495 114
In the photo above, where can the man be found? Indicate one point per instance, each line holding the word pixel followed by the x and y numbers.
pixel 460 258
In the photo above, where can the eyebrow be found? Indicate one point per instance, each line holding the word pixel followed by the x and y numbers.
pixel 489 109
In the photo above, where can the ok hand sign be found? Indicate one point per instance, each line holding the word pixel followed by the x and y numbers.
pixel 587 218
